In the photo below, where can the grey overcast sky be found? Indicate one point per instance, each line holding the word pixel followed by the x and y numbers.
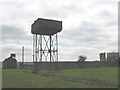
pixel 89 26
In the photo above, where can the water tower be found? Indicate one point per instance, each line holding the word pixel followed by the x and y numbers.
pixel 45 40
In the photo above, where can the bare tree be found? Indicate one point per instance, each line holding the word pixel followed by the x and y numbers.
pixel 82 58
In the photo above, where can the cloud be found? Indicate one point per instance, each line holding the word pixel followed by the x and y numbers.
pixel 61 10
pixel 14 33
pixel 105 14
pixel 86 34
pixel 72 53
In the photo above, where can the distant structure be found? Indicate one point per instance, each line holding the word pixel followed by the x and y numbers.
pixel 111 56
pixel 102 56
pixel 22 63
pixel 23 54
pixel 10 62
pixel 45 40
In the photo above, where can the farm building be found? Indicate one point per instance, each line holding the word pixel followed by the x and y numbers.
pixel 112 56
pixel 102 56
pixel 10 62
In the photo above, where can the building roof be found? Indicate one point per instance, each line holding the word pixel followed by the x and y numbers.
pixel 9 59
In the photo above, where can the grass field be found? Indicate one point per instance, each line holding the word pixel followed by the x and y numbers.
pixel 103 74
pixel 18 78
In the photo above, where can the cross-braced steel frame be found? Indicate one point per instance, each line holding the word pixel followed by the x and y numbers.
pixel 45 49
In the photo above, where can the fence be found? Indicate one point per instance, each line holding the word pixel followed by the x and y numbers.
pixel 73 65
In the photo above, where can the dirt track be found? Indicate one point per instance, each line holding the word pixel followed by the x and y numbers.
pixel 88 81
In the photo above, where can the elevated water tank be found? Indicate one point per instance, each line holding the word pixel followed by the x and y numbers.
pixel 46 26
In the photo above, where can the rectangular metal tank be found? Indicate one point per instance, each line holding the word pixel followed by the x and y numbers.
pixel 46 26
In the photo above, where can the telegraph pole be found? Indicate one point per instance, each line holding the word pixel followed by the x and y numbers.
pixel 22 63
pixel 23 54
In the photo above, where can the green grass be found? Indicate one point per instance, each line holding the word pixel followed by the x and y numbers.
pixel 103 74
pixel 17 78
